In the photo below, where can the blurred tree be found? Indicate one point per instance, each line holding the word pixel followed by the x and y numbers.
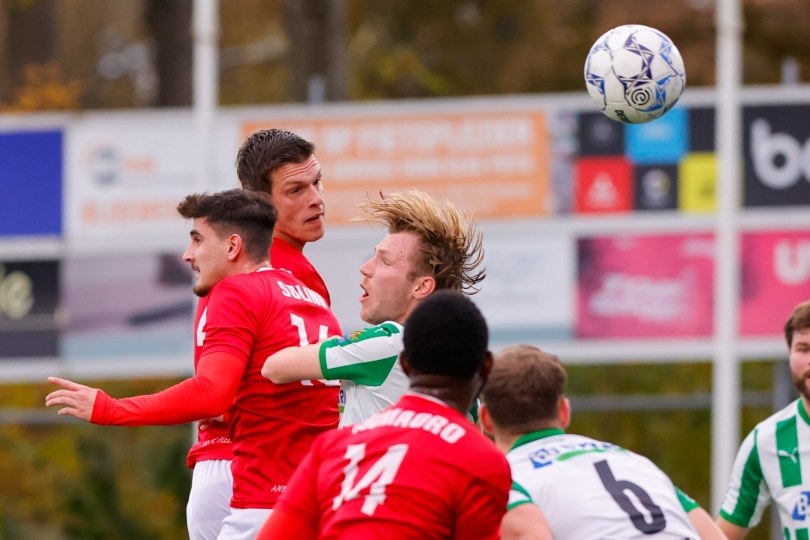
pixel 30 36
pixel 43 88
pixel 139 53
pixel 317 56
pixel 78 481
pixel 170 27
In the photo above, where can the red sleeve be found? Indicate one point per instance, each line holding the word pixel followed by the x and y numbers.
pixel 484 504
pixel 209 393
pixel 283 524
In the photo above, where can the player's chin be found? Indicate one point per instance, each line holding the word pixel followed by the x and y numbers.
pixel 201 289
pixel 367 314
pixel 316 237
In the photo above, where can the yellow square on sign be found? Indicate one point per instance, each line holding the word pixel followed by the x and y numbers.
pixel 697 175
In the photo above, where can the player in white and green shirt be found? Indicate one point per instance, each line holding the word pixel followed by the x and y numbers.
pixel 366 363
pixel 590 489
pixel 430 246
pixel 773 462
pixel 571 486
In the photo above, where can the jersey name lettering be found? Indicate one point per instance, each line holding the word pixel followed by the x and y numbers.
pixel 432 423
pixel 301 292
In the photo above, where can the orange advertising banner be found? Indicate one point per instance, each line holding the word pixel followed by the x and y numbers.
pixel 494 164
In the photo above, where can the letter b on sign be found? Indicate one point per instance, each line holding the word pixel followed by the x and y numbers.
pixel 777 155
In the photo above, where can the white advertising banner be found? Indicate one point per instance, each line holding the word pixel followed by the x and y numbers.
pixel 127 172
pixel 527 296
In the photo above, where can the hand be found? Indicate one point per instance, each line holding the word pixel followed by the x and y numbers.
pixel 78 400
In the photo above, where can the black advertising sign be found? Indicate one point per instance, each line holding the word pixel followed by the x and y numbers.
pixel 29 296
pixel 598 135
pixel 776 146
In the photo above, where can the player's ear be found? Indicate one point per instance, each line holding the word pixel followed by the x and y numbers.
pixel 403 362
pixel 564 412
pixel 486 367
pixel 425 285
pixel 235 246
pixel 484 418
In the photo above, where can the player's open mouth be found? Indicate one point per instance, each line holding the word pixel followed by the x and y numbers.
pixel 313 219
pixel 364 295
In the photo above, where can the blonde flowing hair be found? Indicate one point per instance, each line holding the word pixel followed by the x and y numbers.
pixel 451 244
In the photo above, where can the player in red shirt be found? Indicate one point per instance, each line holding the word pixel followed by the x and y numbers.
pixel 284 165
pixel 250 315
pixel 419 469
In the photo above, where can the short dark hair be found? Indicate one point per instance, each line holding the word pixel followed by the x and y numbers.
pixel 524 389
pixel 249 214
pixel 798 320
pixel 446 334
pixel 265 151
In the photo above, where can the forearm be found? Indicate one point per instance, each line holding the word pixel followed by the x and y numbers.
pixel 209 393
pixel 187 401
pixel 731 531
pixel 293 364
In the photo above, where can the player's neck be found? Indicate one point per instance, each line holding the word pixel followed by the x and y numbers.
pixel 505 442
pixel 256 266
pixel 454 393
pixel 294 243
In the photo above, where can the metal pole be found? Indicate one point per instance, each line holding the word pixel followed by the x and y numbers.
pixel 726 372
pixel 206 88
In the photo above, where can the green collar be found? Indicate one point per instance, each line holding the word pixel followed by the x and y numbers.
pixel 535 435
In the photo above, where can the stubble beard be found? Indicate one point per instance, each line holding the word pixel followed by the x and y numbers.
pixel 201 291
pixel 801 384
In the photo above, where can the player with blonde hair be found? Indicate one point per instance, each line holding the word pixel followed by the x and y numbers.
pixel 430 246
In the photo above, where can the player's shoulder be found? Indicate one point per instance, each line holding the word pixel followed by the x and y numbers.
pixel 384 330
pixel 484 458
pixel 769 425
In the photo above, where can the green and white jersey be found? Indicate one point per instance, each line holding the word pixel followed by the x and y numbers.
pixel 773 463
pixel 366 363
pixel 590 489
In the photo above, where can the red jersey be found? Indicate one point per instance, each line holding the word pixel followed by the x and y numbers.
pixel 283 255
pixel 418 469
pixel 213 438
pixel 252 316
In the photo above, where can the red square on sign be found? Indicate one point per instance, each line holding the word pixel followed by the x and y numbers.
pixel 603 185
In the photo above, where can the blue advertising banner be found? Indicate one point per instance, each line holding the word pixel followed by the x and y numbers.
pixel 31 183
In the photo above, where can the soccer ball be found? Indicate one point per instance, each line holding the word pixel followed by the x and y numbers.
pixel 634 73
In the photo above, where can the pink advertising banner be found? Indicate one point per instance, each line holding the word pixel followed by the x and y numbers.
pixel 645 286
pixel 775 277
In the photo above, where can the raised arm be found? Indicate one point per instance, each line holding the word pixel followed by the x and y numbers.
pixel 293 364
pixel 209 393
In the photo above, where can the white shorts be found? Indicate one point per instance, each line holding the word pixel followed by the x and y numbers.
pixel 209 501
pixel 244 523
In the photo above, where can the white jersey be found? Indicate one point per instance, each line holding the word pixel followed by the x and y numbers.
pixel 590 489
pixel 773 463
pixel 367 364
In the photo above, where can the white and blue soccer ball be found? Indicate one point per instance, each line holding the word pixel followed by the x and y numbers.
pixel 634 73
